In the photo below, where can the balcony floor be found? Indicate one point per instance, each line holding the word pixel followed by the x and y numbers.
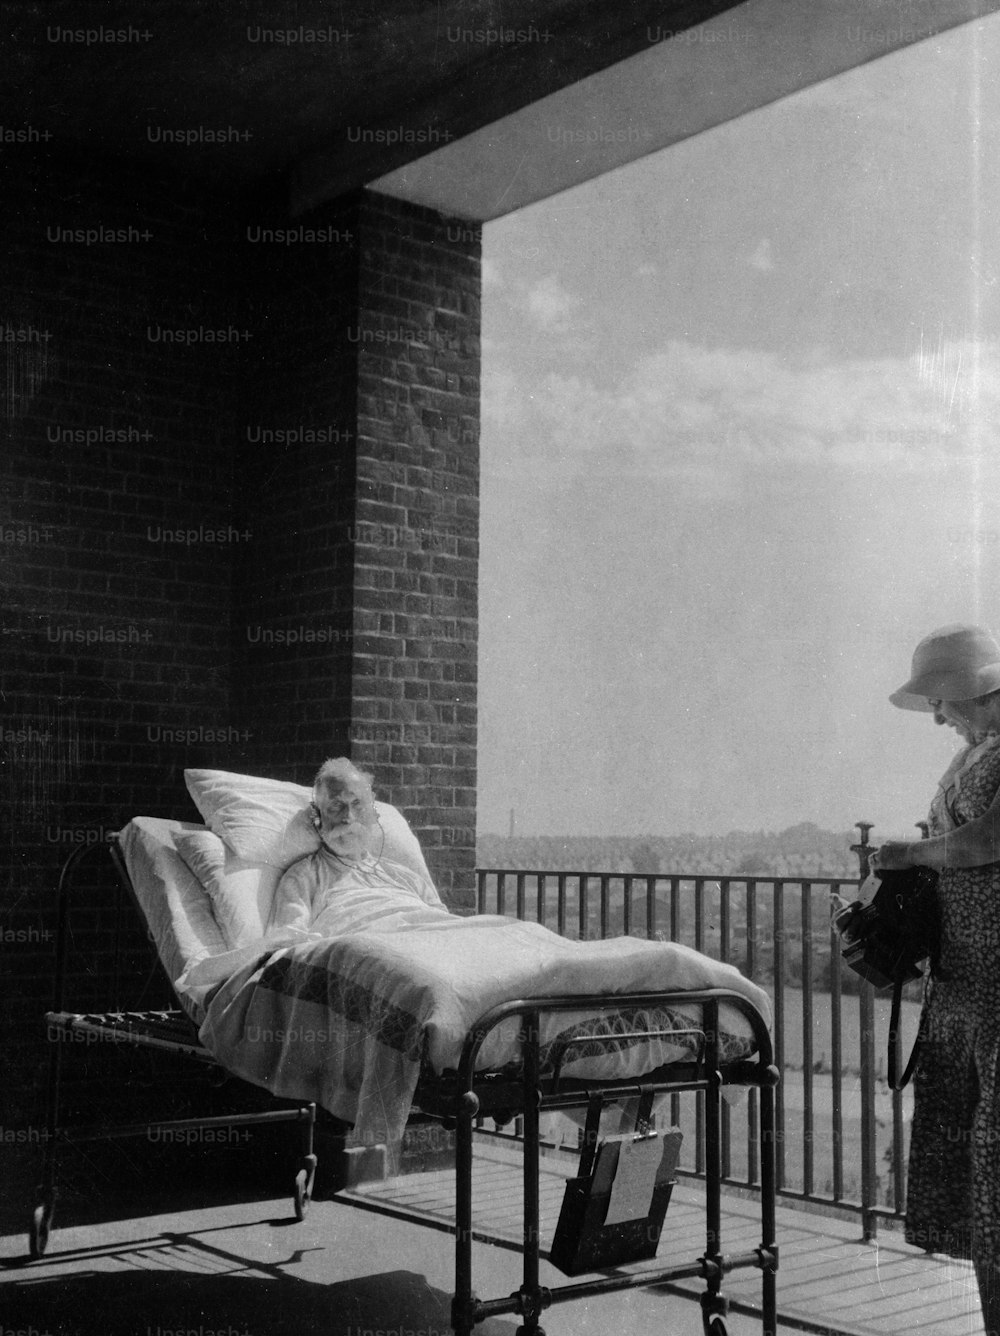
pixel 361 1263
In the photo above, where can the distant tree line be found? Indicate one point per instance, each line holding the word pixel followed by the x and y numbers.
pixel 804 850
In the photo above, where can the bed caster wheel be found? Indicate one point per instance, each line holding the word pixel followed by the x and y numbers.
pixel 304 1187
pixel 41 1224
pixel 714 1308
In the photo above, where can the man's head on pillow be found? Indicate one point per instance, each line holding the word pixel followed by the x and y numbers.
pixel 342 796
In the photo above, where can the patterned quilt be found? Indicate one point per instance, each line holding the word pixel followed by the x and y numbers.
pixel 348 1021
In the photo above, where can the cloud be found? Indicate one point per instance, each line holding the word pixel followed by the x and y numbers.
pixel 762 258
pixel 551 305
pixel 694 413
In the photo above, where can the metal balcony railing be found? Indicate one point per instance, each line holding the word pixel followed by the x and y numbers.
pixel 842 1134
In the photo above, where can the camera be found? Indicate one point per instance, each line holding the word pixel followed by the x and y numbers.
pixel 886 940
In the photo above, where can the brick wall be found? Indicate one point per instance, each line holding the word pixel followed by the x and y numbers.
pixel 158 533
pixel 116 638
pixel 295 442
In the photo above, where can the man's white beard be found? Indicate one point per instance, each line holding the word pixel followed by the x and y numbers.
pixel 349 841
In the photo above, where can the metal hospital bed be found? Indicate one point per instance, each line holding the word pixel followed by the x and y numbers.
pixel 460 1097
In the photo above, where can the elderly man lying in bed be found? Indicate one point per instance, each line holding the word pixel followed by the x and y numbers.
pixel 346 882
pixel 364 977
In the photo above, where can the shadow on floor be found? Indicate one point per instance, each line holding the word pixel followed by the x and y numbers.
pixel 159 1303
pixel 123 1180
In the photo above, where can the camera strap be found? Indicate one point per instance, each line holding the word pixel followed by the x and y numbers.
pixel 894 1040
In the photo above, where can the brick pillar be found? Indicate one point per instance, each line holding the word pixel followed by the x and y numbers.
pixel 417 525
pixel 366 533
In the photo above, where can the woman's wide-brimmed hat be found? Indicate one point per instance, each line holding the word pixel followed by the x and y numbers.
pixel 954 663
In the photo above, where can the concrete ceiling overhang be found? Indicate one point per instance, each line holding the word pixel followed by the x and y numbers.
pixel 518 99
pixel 259 90
pixel 682 84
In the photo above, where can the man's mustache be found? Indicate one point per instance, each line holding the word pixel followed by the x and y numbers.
pixel 339 828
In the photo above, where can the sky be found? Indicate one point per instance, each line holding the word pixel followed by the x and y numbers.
pixel 740 452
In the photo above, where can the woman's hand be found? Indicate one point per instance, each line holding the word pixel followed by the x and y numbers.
pixel 892 857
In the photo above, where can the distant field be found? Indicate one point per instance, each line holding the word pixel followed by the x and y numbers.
pixel 793 1083
pixel 850 1024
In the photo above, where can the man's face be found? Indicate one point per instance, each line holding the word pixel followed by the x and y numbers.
pixel 347 815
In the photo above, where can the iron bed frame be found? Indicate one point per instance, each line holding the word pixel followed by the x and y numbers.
pixel 459 1098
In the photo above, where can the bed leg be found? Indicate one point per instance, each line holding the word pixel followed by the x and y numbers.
pixel 464 1304
pixel 306 1176
pixel 713 1304
pixel 769 1249
pixel 41 1219
pixel 532 1296
pixel 41 1223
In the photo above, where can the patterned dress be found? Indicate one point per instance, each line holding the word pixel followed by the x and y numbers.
pixel 953 1194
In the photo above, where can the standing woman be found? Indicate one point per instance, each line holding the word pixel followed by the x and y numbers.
pixel 953 1193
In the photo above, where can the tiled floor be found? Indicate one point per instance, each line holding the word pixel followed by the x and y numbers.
pixel 829 1279
pixel 350 1269
pixel 251 1270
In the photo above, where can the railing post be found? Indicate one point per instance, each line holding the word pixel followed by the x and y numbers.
pixel 869 1177
pixel 808 1109
pixel 863 849
pixel 836 1060
pixel 866 1019
pixel 778 921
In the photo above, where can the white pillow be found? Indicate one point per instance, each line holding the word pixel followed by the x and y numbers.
pixel 173 901
pixel 241 892
pixel 267 820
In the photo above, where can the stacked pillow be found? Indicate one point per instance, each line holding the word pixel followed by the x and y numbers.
pixel 256 829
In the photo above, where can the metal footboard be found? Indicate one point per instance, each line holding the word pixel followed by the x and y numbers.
pixel 471 1097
